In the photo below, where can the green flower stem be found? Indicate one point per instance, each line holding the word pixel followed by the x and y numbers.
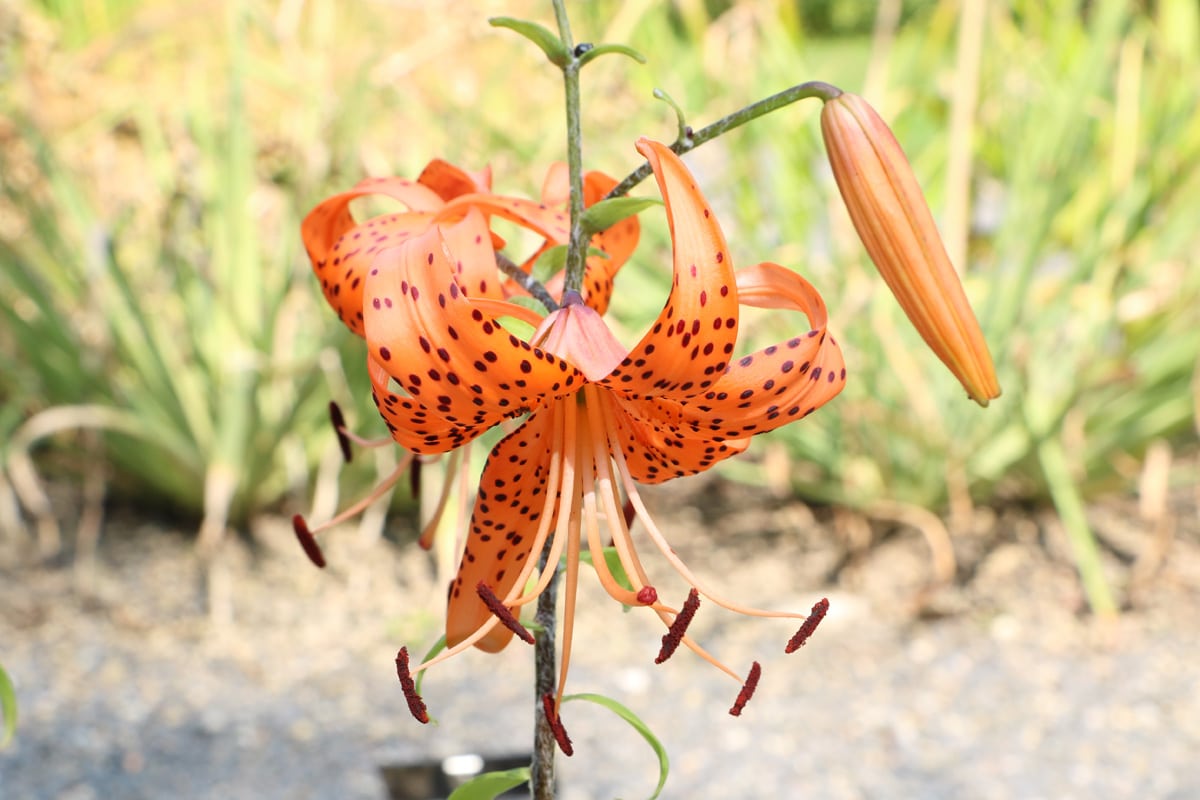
pixel 541 777
pixel 526 281
pixel 686 142
pixel 577 243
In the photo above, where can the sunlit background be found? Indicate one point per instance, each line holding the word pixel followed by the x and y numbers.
pixel 164 350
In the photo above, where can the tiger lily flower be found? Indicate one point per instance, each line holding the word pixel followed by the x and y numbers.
pixel 597 418
pixel 342 249
pixel 460 204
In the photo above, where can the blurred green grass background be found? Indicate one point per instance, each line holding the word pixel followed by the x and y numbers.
pixel 161 337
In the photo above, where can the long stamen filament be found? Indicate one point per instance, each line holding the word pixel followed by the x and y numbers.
pixel 559 468
pixel 663 546
pixel 431 527
pixel 595 545
pixel 572 587
pixel 559 503
pixel 606 451
pixel 362 441
pixel 379 491
pixel 603 455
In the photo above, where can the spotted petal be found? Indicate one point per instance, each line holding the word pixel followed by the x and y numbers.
pixel 413 425
pixel 445 351
pixel 474 259
pixel 549 222
pixel 504 522
pixel 780 383
pixel 656 444
pixel 688 346
pixel 341 250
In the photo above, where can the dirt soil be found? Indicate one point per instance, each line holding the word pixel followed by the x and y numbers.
pixel 996 684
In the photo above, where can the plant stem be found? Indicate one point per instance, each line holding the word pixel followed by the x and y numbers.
pixel 526 281
pixel 576 244
pixel 541 778
pixel 683 144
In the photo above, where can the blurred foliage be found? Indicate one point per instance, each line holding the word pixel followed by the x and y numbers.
pixel 156 157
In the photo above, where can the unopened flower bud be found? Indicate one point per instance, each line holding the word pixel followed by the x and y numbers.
pixel 894 223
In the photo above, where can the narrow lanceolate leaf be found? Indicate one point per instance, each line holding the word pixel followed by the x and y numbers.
pixel 491 785
pixel 613 559
pixel 554 259
pixel 438 647
pixel 604 49
pixel 606 213
pixel 664 765
pixel 551 45
pixel 8 708
pixel 893 220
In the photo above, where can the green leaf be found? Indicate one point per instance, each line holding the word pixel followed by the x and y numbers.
pixel 636 723
pixel 8 708
pixel 680 119
pixel 606 213
pixel 515 325
pixel 554 259
pixel 613 559
pixel 604 49
pixel 551 45
pixel 550 262
pixel 438 647
pixel 490 785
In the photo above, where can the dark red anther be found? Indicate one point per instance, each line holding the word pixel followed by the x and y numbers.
pixel 747 690
pixel 630 513
pixel 339 427
pixel 414 477
pixel 647 595
pixel 416 706
pixel 810 625
pixel 556 726
pixel 308 541
pixel 501 612
pixel 674 634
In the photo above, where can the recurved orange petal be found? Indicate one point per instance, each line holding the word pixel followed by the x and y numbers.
pixel 504 522
pixel 446 352
pixel 474 259
pixel 656 444
pixel 413 425
pixel 689 345
pixel 341 250
pixel 780 383
pixel 450 181
pixel 541 218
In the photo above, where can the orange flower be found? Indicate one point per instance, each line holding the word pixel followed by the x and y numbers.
pixel 597 418
pixel 892 219
pixel 342 250
pixel 459 204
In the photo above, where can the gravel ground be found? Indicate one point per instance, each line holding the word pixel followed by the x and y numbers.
pixel 994 687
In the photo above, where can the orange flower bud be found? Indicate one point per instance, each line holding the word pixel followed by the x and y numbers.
pixel 893 221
